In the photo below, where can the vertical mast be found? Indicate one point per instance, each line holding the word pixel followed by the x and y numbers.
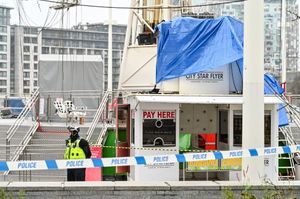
pixel 109 69
pixel 283 43
pixel 253 104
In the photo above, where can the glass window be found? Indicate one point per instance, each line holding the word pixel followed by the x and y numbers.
pixel 3 48
pixel 2 82
pixel 35 58
pixel 3 65
pixel 26 66
pixel 26 57
pixel 26 49
pixel 35 49
pixel 3 74
pixel 3 38
pixel 2 90
pixel 26 83
pixel 35 66
pixel 35 83
pixel 35 75
pixel 45 50
pixel 237 128
pixel 3 56
pixel 26 90
pixel 26 74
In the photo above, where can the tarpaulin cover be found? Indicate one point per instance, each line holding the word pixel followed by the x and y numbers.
pixel 188 45
pixel 273 87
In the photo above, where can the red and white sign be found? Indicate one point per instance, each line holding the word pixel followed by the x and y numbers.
pixel 159 114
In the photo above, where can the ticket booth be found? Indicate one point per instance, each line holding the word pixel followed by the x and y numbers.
pixel 155 128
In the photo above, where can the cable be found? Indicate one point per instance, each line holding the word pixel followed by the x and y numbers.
pixel 150 7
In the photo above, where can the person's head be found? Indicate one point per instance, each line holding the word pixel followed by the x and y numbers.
pixel 73 132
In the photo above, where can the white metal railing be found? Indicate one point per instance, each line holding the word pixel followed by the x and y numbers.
pixel 97 116
pixel 102 134
pixel 13 128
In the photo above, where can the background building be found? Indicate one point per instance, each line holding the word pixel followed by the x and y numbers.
pixel 33 45
pixel 5 50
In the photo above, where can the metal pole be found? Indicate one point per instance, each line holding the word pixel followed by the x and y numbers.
pixel 253 90
pixel 283 43
pixel 109 71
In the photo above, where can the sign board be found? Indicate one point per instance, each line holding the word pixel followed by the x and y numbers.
pixel 211 165
pixel 159 128
pixel 209 82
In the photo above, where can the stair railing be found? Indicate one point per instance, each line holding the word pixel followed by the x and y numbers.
pixel 97 116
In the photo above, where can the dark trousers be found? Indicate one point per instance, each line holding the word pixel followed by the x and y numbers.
pixel 76 174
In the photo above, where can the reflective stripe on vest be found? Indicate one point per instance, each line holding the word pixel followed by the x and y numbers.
pixel 73 151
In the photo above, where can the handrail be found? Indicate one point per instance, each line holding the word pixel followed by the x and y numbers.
pixel 102 133
pixel 13 128
pixel 19 150
pixel 97 116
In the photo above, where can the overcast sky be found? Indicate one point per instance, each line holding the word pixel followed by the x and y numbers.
pixel 35 13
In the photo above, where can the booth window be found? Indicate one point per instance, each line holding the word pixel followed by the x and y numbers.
pixel 238 128
pixel 132 131
pixel 159 133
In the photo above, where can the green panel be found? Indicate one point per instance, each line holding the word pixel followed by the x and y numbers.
pixel 184 141
pixel 122 136
pixel 109 152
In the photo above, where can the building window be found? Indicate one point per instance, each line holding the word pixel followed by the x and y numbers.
pixel 35 75
pixel 237 128
pixel 3 56
pixel 26 74
pixel 45 50
pixel 3 38
pixel 2 82
pixel 26 49
pixel 3 48
pixel 35 66
pixel 3 65
pixel 2 90
pixel 35 58
pixel 3 74
pixel 26 57
pixel 26 66
pixel 26 83
pixel 26 90
pixel 3 29
pixel 35 83
pixel 35 49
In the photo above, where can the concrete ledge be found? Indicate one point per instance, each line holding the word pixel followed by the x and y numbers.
pixel 144 190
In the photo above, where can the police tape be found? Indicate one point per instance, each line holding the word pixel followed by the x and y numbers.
pixel 152 149
pixel 144 160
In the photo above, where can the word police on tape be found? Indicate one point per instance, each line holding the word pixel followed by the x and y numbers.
pixel 143 160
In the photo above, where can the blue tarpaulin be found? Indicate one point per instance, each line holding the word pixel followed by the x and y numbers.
pixel 188 45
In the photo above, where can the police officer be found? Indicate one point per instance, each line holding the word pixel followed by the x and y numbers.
pixel 77 148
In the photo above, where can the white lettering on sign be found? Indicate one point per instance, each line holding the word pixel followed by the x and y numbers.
pixel 119 161
pixel 236 154
pixel 205 76
pixel 27 165
pixel 159 114
pixel 74 163
pixel 199 156
pixel 160 159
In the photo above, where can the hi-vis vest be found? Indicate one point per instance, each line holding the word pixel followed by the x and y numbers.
pixel 73 151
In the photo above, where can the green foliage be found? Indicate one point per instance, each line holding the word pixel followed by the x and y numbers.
pixel 9 195
pixel 228 193
pixel 246 193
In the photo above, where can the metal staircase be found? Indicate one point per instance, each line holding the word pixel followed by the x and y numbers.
pixel 286 164
pixel 90 137
pixel 14 151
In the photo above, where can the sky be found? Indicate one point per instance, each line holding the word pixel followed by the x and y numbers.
pixel 35 13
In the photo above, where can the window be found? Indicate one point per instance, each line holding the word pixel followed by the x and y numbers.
pixel 45 50
pixel 3 48
pixel 3 74
pixel 26 57
pixel 35 83
pixel 3 29
pixel 3 38
pixel 26 74
pixel 26 66
pixel 3 65
pixel 26 83
pixel 35 58
pixel 26 90
pixel 35 75
pixel 237 128
pixel 35 66
pixel 35 49
pixel 3 56
pixel 26 49
pixel 2 90
pixel 2 82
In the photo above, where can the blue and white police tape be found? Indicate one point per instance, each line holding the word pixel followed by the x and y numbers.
pixel 144 160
